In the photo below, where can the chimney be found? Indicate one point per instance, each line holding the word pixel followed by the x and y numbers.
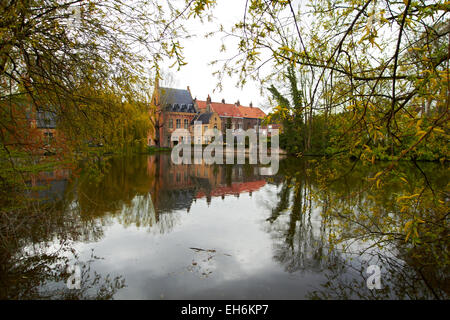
pixel 223 100
pixel 238 103
pixel 188 89
pixel 208 99
pixel 251 104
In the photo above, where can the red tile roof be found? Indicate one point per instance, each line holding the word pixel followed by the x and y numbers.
pixel 251 112
pixel 230 110
pixel 201 104
pixel 226 109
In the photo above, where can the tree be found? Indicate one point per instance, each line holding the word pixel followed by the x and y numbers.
pixel 86 62
pixel 377 73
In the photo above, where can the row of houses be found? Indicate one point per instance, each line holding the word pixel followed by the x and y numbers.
pixel 176 109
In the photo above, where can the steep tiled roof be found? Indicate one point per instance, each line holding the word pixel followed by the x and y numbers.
pixel 251 112
pixel 203 117
pixel 223 109
pixel 231 110
pixel 175 96
pixel 201 104
pixel 226 109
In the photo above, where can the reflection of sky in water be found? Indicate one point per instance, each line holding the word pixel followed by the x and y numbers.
pixel 242 266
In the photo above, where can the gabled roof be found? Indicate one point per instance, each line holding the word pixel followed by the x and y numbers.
pixel 201 104
pixel 176 100
pixel 251 112
pixel 226 109
pixel 231 110
pixel 222 109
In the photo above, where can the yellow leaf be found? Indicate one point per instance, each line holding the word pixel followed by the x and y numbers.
pixel 407 236
pixel 407 225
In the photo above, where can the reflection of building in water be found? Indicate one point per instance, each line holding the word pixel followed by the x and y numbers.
pixel 235 189
pixel 154 192
pixel 49 185
pixel 180 185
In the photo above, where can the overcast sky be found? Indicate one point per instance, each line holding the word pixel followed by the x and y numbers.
pixel 199 52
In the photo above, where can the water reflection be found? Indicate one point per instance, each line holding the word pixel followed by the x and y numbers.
pixel 161 230
pixel 140 193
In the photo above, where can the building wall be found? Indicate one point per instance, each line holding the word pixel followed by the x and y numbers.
pixel 172 117
pixel 214 122
pixel 162 120
pixel 251 123
pixel 236 123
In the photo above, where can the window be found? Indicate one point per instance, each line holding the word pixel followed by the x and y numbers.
pixel 170 123
pixel 178 123
pixel 186 123
pixel 215 126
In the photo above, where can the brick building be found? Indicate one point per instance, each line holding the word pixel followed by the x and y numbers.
pixel 233 116
pixel 209 120
pixel 172 109
pixel 175 109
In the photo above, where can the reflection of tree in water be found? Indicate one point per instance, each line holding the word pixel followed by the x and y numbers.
pixel 151 192
pixel 141 213
pixel 299 234
pixel 134 193
pixel 399 280
pixel 304 234
pixel 36 251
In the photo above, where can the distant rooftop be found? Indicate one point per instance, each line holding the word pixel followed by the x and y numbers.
pixel 203 117
pixel 175 96
pixel 231 110
pixel 176 100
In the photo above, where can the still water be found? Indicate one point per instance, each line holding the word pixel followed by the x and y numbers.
pixel 144 228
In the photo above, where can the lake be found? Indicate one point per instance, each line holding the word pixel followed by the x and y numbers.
pixel 144 228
